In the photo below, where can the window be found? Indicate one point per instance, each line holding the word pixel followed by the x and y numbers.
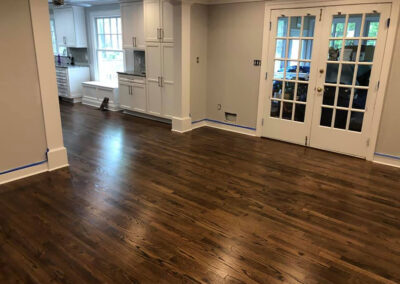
pixel 53 36
pixel 109 48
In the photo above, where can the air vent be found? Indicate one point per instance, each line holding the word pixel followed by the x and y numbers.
pixel 231 117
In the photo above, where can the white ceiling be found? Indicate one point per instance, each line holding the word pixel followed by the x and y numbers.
pixel 88 3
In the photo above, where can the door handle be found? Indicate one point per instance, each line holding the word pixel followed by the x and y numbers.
pixel 319 91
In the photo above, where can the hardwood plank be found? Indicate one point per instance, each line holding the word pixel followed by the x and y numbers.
pixel 142 204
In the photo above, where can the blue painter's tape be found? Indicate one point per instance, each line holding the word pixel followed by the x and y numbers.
pixel 27 166
pixel 23 167
pixel 388 156
pixel 225 123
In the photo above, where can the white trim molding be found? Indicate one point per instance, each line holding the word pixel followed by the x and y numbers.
pixel 224 126
pixel 57 159
pixel 24 173
pixel 386 64
pixel 388 160
pixel 56 154
pixel 181 125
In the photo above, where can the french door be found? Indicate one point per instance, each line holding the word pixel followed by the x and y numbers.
pixel 324 67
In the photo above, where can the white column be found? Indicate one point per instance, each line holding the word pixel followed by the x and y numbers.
pixel 57 155
pixel 182 121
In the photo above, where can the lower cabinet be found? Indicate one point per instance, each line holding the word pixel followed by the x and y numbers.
pixel 160 79
pixel 95 92
pixel 133 96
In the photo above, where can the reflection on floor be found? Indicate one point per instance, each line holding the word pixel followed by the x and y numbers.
pixel 140 203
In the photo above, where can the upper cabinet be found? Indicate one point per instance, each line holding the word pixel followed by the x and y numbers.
pixel 158 20
pixel 132 25
pixel 70 26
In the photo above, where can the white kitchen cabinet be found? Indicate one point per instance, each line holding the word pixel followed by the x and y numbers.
pixel 160 79
pixel 132 18
pixel 125 101
pixel 158 20
pixel 69 81
pixel 70 26
pixel 132 92
pixel 94 93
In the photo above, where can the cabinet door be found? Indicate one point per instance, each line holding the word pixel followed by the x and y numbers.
pixel 168 95
pixel 64 23
pixel 153 72
pixel 139 98
pixel 138 27
pixel 152 20
pixel 167 16
pixel 128 23
pixel 125 98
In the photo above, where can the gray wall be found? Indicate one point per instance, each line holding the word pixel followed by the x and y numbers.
pixel 235 33
pixel 198 71
pixel 22 139
pixel 389 132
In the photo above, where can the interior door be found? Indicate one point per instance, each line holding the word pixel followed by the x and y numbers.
pixel 354 37
pixel 292 72
pixel 153 74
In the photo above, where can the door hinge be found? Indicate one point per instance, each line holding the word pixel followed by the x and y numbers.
pixel 320 15
pixel 306 142
pixel 266 75
pixel 368 140
pixel 270 25
pixel 262 122
pixel 388 22
pixel 377 85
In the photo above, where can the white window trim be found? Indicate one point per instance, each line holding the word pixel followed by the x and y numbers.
pixel 92 15
pixel 95 46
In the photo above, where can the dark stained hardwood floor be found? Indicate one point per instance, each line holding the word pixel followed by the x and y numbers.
pixel 141 204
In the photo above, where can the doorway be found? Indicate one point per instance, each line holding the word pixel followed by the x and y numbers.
pixel 322 80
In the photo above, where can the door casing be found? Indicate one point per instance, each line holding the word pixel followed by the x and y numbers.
pixel 386 63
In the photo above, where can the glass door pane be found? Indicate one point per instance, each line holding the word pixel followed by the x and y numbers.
pixel 293 49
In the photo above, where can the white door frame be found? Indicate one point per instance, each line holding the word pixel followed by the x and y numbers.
pixel 386 64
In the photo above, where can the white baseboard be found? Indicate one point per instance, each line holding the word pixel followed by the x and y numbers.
pixel 199 124
pixel 387 160
pixel 95 103
pixel 57 158
pixel 224 126
pixel 23 173
pixel 181 124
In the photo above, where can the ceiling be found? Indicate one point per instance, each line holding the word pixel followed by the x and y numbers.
pixel 88 3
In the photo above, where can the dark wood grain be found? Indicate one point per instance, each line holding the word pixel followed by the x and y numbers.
pixel 141 204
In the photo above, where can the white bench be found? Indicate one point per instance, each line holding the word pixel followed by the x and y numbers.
pixel 94 92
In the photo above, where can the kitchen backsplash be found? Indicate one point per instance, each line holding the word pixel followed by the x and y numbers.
pixel 79 55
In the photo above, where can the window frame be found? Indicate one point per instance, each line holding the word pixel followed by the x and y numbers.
pixel 92 14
